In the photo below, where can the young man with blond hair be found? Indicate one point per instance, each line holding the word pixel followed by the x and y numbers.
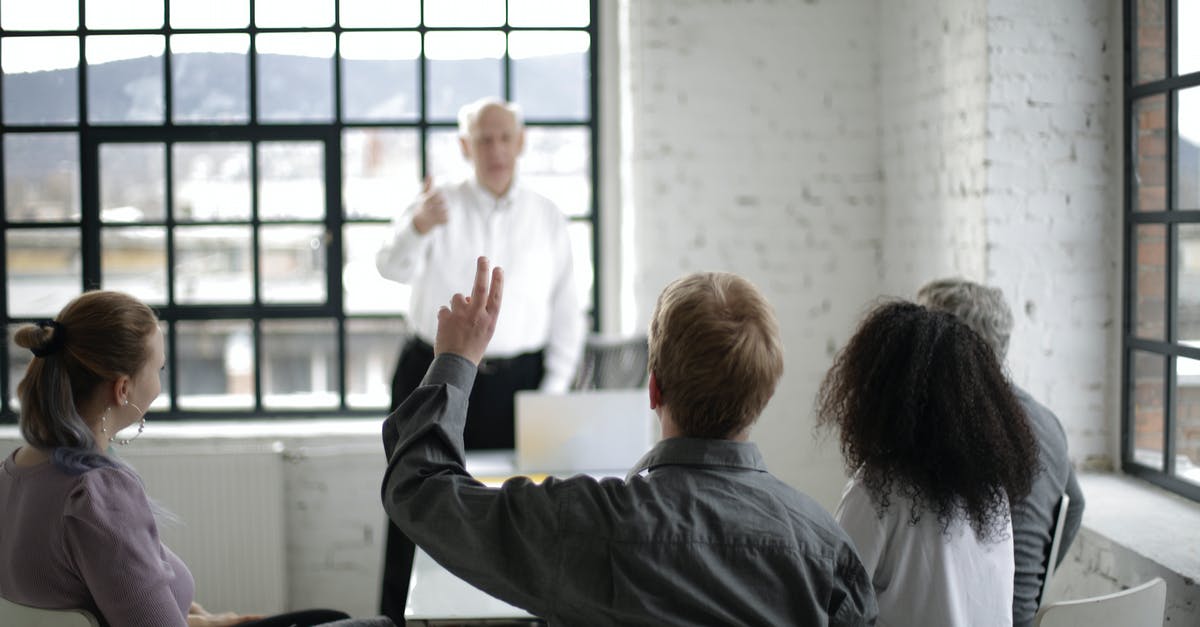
pixel 698 533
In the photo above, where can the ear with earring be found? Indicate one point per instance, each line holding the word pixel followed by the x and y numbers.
pixel 123 441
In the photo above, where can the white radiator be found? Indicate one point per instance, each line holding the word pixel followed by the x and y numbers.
pixel 229 501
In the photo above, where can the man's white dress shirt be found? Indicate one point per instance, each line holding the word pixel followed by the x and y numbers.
pixel 923 576
pixel 524 233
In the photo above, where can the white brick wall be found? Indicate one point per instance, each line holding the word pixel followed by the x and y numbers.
pixel 834 152
pixel 754 144
pixel 1053 205
pixel 934 81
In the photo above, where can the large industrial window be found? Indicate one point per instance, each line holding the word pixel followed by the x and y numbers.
pixel 1161 425
pixel 235 164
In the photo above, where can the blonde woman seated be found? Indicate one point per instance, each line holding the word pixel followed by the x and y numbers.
pixel 938 446
pixel 77 530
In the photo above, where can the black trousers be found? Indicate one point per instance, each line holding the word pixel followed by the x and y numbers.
pixel 489 425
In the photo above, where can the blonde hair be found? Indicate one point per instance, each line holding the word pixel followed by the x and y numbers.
pixel 98 337
pixel 715 353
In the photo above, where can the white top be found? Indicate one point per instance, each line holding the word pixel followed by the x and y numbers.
pixel 923 576
pixel 522 232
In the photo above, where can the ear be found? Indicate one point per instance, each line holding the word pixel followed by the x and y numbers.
pixel 521 141
pixel 655 392
pixel 118 391
pixel 465 146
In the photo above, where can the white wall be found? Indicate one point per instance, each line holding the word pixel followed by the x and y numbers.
pixel 834 152
pixel 754 148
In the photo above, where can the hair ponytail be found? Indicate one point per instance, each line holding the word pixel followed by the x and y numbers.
pixel 97 337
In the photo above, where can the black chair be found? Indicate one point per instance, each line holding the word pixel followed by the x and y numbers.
pixel 612 363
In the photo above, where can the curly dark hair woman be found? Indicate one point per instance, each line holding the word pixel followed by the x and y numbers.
pixel 938 446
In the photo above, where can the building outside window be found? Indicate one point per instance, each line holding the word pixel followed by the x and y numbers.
pixel 1161 416
pixel 235 164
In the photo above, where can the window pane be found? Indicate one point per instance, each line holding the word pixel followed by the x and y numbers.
pixel 464 13
pixel 44 271
pixel 216 364
pixel 379 76
pixel 1150 281
pixel 379 13
pixel 1187 181
pixel 211 181
pixel 41 15
pixel 210 78
pixel 1150 40
pixel 463 67
pixel 364 290
pixel 1187 321
pixel 41 177
pixel 212 265
pixel 163 402
pixel 550 71
pixel 40 80
pixel 114 14
pixel 557 164
pixel 1187 24
pixel 290 13
pixel 1147 393
pixel 372 347
pixel 1187 419
pixel 581 256
pixel 548 12
pixel 18 362
pixel 132 183
pixel 291 180
pixel 210 13
pixel 134 260
pixel 446 161
pixel 300 364
pixel 1150 158
pixel 292 264
pixel 125 79
pixel 382 171
pixel 295 77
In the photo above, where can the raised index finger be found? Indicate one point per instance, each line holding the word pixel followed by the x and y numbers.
pixel 479 293
pixel 493 304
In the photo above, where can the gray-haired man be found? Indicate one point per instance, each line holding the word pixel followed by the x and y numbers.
pixel 984 310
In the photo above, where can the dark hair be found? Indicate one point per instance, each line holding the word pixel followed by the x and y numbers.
pixel 925 411
pixel 98 337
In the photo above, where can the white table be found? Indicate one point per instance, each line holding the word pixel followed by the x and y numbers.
pixel 436 595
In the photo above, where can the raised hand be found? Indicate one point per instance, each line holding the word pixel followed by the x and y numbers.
pixel 466 326
pixel 431 208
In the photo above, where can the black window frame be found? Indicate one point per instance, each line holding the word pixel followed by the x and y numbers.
pixel 1169 348
pixel 91 137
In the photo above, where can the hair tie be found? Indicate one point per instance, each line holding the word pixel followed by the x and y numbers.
pixel 56 340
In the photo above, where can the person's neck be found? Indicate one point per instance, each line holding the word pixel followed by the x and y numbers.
pixel 497 192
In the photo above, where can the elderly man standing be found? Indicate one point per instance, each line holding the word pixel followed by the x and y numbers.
pixel 540 340
pixel 699 533
pixel 984 310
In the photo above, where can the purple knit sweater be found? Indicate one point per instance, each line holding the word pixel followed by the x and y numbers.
pixel 88 542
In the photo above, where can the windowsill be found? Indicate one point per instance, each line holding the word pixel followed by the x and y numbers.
pixel 253 429
pixel 1155 524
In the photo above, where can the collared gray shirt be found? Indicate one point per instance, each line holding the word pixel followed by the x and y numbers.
pixel 699 534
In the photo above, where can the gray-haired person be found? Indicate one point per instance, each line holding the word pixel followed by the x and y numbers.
pixel 985 311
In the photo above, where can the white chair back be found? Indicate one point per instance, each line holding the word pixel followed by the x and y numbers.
pixel 1055 542
pixel 12 613
pixel 1143 606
